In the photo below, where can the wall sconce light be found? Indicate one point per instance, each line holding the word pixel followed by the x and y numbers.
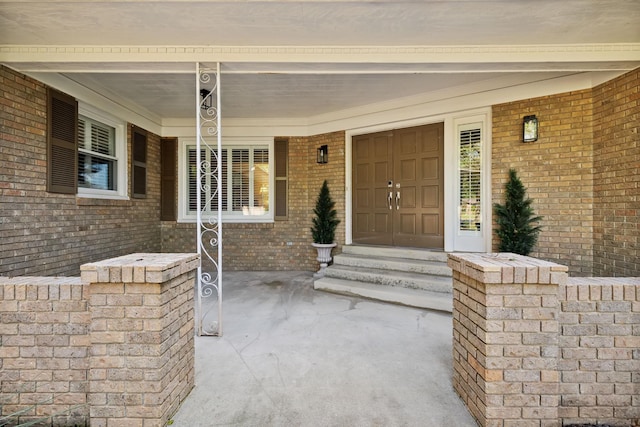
pixel 323 154
pixel 207 101
pixel 529 128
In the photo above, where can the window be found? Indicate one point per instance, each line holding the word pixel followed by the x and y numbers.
pixel 470 177
pixel 97 163
pixel 101 155
pixel 246 182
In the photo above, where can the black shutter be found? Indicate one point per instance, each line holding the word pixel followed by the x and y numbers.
pixel 138 163
pixel 62 143
pixel 282 180
pixel 168 180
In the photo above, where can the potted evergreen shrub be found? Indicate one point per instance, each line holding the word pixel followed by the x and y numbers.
pixel 516 220
pixel 324 227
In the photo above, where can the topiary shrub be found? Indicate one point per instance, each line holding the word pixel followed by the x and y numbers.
pixel 517 228
pixel 325 220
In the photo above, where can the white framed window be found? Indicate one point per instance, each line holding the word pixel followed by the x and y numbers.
pixel 247 181
pixel 102 154
pixel 470 178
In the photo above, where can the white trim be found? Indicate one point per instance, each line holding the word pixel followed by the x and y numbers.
pixel 183 182
pixel 121 155
pixel 480 54
pixel 470 241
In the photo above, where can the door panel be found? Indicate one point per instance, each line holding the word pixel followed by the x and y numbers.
pixel 372 222
pixel 421 176
pixel 412 161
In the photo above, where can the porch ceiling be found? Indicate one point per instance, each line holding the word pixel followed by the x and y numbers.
pixel 307 58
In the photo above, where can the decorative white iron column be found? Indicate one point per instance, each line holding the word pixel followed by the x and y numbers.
pixel 208 314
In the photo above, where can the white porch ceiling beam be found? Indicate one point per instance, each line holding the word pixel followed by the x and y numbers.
pixel 583 57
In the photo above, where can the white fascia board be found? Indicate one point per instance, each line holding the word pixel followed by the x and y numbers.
pixel 562 53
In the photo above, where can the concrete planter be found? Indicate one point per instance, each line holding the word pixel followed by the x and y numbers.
pixel 324 255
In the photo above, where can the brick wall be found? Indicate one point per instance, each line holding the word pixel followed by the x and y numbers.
pixel 581 173
pixel 600 351
pixel 115 348
pixel 44 348
pixel 53 234
pixel 557 171
pixel 617 180
pixel 505 338
pixel 532 347
pixel 281 245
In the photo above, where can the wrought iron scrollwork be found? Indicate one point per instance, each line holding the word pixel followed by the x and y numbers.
pixel 209 216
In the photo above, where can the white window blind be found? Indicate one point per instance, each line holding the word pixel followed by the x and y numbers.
pixel 245 181
pixel 97 164
pixel 470 178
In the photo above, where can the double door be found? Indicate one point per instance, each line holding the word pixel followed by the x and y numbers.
pixel 398 187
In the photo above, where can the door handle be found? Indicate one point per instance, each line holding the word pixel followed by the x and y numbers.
pixel 397 200
pixel 389 199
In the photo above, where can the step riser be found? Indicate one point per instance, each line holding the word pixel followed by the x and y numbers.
pixel 436 269
pixel 417 254
pixel 426 283
pixel 428 300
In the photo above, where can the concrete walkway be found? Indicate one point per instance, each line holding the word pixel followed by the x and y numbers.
pixel 292 356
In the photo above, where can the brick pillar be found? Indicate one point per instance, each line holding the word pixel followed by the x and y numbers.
pixel 141 365
pixel 505 338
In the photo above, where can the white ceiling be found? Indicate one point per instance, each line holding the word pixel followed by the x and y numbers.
pixel 303 83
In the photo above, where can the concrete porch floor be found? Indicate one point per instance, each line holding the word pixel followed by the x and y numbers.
pixel 292 356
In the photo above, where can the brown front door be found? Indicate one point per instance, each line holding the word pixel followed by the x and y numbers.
pixel 398 196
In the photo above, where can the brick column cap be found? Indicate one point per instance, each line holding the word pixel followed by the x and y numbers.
pixel 139 268
pixel 506 267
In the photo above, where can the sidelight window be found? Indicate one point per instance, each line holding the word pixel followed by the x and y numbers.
pixel 470 177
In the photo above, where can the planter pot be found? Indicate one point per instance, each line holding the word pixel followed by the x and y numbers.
pixel 324 255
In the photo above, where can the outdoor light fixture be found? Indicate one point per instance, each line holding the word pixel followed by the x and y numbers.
pixel 207 101
pixel 529 128
pixel 323 154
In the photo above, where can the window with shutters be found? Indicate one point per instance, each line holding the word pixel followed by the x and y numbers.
pixel 470 177
pixel 246 193
pixel 101 155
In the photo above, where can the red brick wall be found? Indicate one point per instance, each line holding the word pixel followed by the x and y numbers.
pixel 53 234
pixel 616 138
pixel 557 171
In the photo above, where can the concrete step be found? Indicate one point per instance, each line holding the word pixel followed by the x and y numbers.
pixel 405 296
pixel 413 277
pixel 391 278
pixel 394 252
pixel 436 268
